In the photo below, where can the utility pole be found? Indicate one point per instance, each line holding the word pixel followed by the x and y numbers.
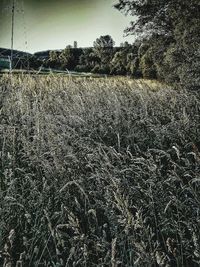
pixel 12 34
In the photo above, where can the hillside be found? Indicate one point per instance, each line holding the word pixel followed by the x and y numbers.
pixel 16 53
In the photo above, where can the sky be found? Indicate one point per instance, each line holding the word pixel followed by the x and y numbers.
pixel 54 24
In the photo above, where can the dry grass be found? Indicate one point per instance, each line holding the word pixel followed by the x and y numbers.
pixel 98 172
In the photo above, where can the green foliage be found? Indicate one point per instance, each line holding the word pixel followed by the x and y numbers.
pixel 88 60
pixel 147 66
pixel 119 63
pixel 134 67
pixel 103 58
pixel 82 68
pixel 101 69
pixel 104 41
pixel 103 51
pixel 187 34
pixel 177 21
pixel 54 61
pixel 67 58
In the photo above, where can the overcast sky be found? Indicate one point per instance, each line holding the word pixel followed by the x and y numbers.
pixel 53 24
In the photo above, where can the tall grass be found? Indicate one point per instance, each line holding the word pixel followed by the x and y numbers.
pixel 98 173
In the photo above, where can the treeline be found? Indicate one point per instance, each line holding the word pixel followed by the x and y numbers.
pixel 102 58
pixel 169 31
pixel 170 54
pixel 167 46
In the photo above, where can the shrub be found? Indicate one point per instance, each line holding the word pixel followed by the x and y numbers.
pixel 147 66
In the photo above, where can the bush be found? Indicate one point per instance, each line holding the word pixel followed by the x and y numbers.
pixel 148 67
pixel 104 69
pixel 82 68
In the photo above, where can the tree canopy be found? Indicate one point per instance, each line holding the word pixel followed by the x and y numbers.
pixel 105 41
pixel 172 28
pixel 158 16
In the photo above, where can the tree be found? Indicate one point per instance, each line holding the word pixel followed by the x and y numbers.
pixel 53 60
pixel 87 60
pixel 103 49
pixel 147 65
pixel 158 16
pixel 119 63
pixel 67 58
pixel 105 41
pixel 174 20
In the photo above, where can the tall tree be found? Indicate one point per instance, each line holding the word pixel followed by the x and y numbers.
pixel 158 16
pixel 53 60
pixel 67 58
pixel 177 22
pixel 103 49
pixel 104 41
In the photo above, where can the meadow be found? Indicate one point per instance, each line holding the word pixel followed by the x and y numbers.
pixel 98 173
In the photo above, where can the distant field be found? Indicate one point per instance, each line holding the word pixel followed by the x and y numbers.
pixel 48 71
pixel 98 172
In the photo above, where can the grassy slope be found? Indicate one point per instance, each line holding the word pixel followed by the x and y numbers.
pixel 98 173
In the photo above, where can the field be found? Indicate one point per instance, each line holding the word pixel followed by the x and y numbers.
pixel 98 173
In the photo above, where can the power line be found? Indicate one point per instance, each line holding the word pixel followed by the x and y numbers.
pixel 24 24
pixel 17 7
pixel 12 34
